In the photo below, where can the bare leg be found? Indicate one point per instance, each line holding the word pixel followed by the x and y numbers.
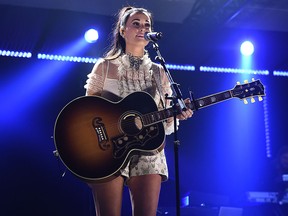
pixel 108 197
pixel 144 192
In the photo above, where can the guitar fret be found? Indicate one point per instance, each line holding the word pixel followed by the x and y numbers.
pixel 149 119
pixel 145 119
pixel 152 118
pixel 168 112
pixel 158 116
pixel 209 100
pixel 163 116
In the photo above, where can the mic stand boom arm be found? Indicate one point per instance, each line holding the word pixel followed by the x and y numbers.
pixel 176 99
pixel 176 93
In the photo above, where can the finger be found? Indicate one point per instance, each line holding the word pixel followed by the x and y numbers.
pixel 188 114
pixel 185 115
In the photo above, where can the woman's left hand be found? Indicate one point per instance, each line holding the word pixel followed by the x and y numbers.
pixel 187 113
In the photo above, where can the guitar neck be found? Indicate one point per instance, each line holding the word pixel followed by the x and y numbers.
pixel 210 100
pixel 158 116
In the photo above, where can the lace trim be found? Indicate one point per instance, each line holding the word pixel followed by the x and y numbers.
pixel 131 79
pixel 94 84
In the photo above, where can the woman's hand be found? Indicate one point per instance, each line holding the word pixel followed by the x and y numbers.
pixel 185 114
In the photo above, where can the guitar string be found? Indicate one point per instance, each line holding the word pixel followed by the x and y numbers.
pixel 127 123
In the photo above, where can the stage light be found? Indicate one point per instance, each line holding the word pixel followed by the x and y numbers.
pixel 280 73
pixel 18 54
pixel 91 36
pixel 267 129
pixel 233 70
pixel 66 58
pixel 181 67
pixel 247 48
pixel 185 201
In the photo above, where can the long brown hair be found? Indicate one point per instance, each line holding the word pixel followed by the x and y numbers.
pixel 118 44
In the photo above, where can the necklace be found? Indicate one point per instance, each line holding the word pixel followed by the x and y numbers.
pixel 135 61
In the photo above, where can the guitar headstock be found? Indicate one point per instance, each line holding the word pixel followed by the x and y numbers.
pixel 249 90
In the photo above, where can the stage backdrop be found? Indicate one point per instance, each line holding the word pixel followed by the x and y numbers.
pixel 222 148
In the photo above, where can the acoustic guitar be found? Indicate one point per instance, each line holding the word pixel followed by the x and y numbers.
pixel 95 137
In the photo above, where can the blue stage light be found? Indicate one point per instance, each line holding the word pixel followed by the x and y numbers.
pixel 233 70
pixel 66 58
pixel 267 129
pixel 185 201
pixel 280 73
pixel 91 36
pixel 181 67
pixel 18 54
pixel 247 48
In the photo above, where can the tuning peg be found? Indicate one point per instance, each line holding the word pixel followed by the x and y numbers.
pixel 245 81
pixel 238 83
pixel 260 98
pixel 252 100
pixel 245 101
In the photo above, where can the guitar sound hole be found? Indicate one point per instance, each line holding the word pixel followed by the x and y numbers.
pixel 131 124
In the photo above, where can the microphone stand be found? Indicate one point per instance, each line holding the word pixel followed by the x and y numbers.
pixel 177 100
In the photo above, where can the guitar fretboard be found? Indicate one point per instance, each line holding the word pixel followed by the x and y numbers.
pixel 158 116
pixel 210 100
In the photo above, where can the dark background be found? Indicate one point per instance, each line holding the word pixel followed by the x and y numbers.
pixel 223 148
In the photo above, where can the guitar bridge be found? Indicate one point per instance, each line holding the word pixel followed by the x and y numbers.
pixel 123 144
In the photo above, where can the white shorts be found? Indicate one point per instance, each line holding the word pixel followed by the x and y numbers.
pixel 144 165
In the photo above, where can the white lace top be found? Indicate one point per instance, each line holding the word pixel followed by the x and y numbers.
pixel 115 79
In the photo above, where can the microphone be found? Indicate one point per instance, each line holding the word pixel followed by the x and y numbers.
pixel 153 36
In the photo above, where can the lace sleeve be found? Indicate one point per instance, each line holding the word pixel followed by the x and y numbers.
pixel 95 82
pixel 166 89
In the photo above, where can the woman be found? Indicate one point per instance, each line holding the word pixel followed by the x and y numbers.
pixel 127 68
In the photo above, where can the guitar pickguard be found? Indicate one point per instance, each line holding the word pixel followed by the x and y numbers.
pixel 123 144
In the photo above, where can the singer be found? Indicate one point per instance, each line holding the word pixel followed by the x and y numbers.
pixel 126 68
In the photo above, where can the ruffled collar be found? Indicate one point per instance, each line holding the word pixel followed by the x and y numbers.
pixel 130 79
pixel 130 62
